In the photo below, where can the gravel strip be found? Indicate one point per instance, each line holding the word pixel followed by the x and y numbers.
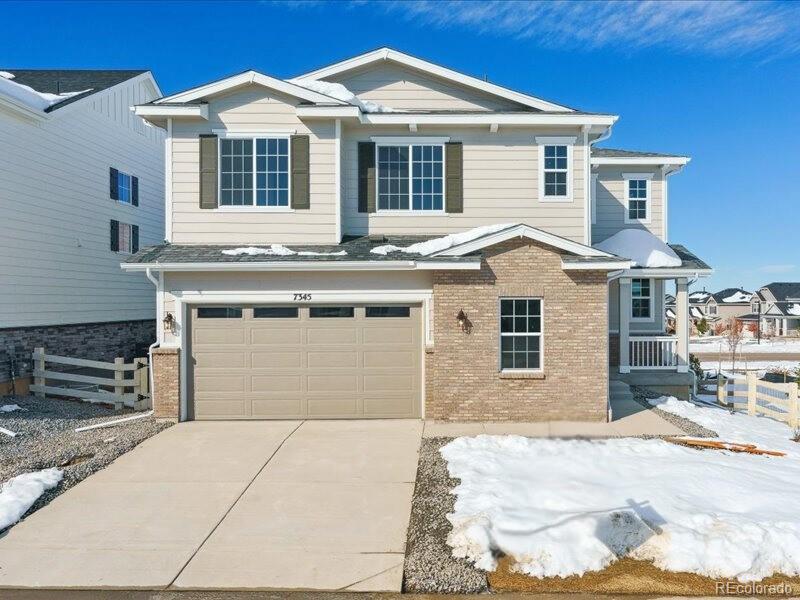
pixel 46 438
pixel 641 394
pixel 430 567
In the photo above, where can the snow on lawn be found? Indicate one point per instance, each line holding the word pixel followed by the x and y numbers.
pixel 642 247
pixel 277 250
pixel 761 367
pixel 750 345
pixel 565 507
pixel 11 408
pixel 443 243
pixel 19 493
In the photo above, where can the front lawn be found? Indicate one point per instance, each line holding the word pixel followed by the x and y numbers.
pixel 562 508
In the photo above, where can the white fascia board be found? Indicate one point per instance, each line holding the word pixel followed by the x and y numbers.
pixel 596 266
pixel 524 231
pixel 662 273
pixel 328 112
pixel 245 78
pixel 405 265
pixel 487 119
pixel 640 160
pixel 409 139
pixel 383 54
pixel 190 110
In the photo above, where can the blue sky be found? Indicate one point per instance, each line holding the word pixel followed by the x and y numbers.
pixel 717 81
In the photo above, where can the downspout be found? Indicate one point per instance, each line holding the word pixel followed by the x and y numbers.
pixel 159 327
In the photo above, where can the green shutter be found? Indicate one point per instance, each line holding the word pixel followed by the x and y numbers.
pixel 208 171
pixel 366 177
pixel 301 197
pixel 454 177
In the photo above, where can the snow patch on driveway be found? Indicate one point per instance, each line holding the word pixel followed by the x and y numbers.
pixel 565 507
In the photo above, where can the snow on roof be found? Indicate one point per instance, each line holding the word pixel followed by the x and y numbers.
pixel 699 296
pixel 445 242
pixel 642 247
pixel 339 92
pixel 696 312
pixel 277 250
pixel 738 296
pixel 29 96
pixel 793 309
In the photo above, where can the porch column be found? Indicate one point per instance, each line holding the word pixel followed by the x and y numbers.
pixel 682 322
pixel 624 325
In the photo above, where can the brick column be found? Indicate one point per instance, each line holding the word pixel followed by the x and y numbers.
pixel 166 383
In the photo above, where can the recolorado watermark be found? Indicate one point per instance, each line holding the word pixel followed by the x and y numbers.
pixel 737 588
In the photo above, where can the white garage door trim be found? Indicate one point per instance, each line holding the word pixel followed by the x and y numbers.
pixel 189 299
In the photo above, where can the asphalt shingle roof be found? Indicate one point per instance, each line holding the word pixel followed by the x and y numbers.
pixel 728 292
pixel 59 81
pixel 688 259
pixel 784 290
pixel 619 153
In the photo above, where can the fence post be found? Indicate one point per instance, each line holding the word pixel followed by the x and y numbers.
pixel 752 383
pixel 119 376
pixel 722 389
pixel 793 408
pixel 143 379
pixel 38 365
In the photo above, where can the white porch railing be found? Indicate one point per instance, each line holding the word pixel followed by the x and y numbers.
pixel 653 352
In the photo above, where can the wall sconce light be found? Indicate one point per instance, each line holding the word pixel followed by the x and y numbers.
pixel 463 321
pixel 169 322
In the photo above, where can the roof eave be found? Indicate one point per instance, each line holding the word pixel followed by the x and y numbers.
pixel 640 160
pixel 404 265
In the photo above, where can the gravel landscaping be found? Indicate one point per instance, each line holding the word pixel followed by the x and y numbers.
pixel 46 438
pixel 430 567
pixel 641 394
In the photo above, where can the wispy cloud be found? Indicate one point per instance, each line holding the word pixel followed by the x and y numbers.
pixel 734 27
pixel 777 268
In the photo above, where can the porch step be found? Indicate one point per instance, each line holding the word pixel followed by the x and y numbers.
pixel 619 390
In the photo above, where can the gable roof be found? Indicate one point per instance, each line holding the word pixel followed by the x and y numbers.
pixel 700 297
pixel 245 78
pixel 784 290
pixel 721 296
pixel 60 81
pixel 390 54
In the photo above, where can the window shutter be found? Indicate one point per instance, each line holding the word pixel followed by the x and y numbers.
pixel 113 189
pixel 135 191
pixel 208 171
pixel 366 177
pixel 114 235
pixel 134 239
pixel 301 197
pixel 454 177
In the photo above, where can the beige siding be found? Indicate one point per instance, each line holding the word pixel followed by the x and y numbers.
pixel 655 326
pixel 501 184
pixel 402 87
pixel 611 203
pixel 55 258
pixel 252 109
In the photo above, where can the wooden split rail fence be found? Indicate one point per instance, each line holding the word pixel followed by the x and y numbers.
pixel 776 400
pixel 116 388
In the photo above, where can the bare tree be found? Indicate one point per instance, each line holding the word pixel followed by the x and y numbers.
pixel 733 337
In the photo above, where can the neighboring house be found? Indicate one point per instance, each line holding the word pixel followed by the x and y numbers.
pixel 731 303
pixel 81 188
pixel 385 237
pixel 703 307
pixel 777 305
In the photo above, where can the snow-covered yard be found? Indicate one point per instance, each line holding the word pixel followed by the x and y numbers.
pixel 715 344
pixel 566 507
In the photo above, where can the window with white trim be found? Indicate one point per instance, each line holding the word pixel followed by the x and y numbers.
pixel 637 197
pixel 712 309
pixel 556 169
pixel 254 172
pixel 410 177
pixel 521 334
pixel 641 299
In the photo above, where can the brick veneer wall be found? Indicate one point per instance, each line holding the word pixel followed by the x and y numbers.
pixel 463 378
pixel 93 341
pixel 166 383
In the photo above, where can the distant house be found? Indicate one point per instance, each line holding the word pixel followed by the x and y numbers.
pixel 81 187
pixel 702 306
pixel 730 302
pixel 777 305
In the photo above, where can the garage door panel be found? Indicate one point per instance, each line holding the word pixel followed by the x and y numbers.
pixel 276 360
pixel 335 358
pixel 303 367
pixel 223 336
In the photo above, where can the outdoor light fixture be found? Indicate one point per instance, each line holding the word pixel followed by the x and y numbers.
pixel 169 321
pixel 462 320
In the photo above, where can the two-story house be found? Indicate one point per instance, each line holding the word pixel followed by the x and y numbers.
pixel 81 186
pixel 777 306
pixel 385 237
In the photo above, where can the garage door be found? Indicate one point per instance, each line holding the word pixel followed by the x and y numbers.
pixel 273 362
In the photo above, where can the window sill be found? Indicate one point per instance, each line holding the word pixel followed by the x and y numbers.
pixel 563 200
pixel 522 374
pixel 255 209
pixel 637 221
pixel 410 213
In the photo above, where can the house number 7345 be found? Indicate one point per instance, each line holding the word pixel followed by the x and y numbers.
pixel 302 297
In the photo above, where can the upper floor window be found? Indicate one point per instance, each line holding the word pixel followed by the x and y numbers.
pixel 254 172
pixel 411 177
pixel 637 196
pixel 641 299
pixel 123 187
pixel 555 172
pixel 712 309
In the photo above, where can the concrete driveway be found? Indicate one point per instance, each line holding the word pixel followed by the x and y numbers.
pixel 248 505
